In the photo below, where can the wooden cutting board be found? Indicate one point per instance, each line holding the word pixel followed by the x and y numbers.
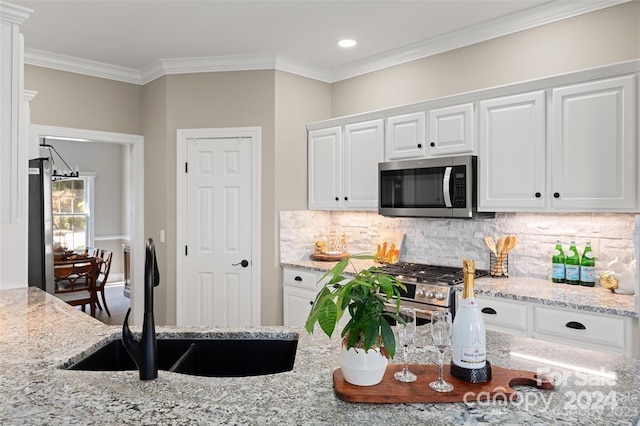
pixel 391 391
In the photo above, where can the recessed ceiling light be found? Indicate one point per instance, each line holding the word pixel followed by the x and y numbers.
pixel 347 43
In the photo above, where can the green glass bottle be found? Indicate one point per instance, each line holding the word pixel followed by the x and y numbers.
pixel 557 263
pixel 588 267
pixel 572 265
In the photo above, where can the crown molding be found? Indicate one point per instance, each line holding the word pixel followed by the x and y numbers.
pixel 265 61
pixel 56 61
pixel 13 13
pixel 510 24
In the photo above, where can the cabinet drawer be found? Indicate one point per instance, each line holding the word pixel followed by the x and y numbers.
pixel 590 328
pixel 508 314
pixel 299 278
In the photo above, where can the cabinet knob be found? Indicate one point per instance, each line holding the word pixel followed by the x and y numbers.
pixel 311 302
pixel 556 195
pixel 346 198
pixel 575 325
pixel 432 144
pixel 538 195
pixel 337 199
pixel 489 311
pixel 298 278
pixel 419 145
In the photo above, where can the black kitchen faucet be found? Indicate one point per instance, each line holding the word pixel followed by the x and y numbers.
pixel 145 351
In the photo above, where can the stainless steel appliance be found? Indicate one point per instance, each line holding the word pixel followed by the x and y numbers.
pixel 435 187
pixel 429 288
pixel 40 244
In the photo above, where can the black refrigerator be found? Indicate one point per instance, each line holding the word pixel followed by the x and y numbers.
pixel 40 261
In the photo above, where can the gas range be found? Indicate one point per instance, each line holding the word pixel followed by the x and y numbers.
pixel 429 288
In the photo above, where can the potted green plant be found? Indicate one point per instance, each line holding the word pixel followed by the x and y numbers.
pixel 368 340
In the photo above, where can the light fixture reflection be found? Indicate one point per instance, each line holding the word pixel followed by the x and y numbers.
pixel 347 43
pixel 601 373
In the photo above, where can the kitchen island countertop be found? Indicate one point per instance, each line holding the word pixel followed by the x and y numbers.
pixel 535 290
pixel 40 335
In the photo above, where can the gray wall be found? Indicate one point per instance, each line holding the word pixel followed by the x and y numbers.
pixel 599 38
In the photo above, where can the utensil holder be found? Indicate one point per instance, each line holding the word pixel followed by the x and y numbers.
pixel 499 265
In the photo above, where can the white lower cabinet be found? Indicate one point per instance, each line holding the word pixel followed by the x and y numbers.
pixel 588 330
pixel 300 288
pixel 501 315
pixel 299 292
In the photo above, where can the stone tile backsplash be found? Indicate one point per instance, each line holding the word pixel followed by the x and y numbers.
pixel 447 241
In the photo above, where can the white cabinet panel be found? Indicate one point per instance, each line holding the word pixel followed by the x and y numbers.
pixel 363 150
pixel 504 315
pixel 512 153
pixel 593 154
pixel 325 168
pixel 451 130
pixel 405 137
pixel 596 331
pixel 297 304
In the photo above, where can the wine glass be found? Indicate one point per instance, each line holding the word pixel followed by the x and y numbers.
pixel 441 330
pixel 406 333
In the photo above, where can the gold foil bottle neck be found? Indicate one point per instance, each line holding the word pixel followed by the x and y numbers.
pixel 469 271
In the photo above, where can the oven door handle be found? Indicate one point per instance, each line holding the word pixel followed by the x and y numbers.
pixel 445 186
pixel 423 313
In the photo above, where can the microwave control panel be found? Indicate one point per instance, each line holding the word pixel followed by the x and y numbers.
pixel 459 195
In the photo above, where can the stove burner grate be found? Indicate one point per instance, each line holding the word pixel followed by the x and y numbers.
pixel 420 273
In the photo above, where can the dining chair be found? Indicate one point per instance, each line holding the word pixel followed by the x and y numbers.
pixel 75 283
pixel 91 251
pixel 101 279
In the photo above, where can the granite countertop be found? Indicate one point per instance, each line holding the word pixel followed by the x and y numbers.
pixel 534 290
pixel 41 334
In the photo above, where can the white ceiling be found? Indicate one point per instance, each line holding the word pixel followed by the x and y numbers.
pixel 139 40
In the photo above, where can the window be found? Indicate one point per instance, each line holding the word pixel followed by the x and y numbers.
pixel 71 211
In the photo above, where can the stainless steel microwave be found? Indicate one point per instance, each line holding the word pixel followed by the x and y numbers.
pixel 434 187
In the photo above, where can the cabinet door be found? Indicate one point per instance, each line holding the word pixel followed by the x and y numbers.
pixel 297 304
pixel 363 150
pixel 451 130
pixel 512 153
pixel 325 169
pixel 593 154
pixel 405 137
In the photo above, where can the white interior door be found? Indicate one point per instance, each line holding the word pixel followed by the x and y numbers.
pixel 218 224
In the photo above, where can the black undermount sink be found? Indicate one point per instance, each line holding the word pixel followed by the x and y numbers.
pixel 202 357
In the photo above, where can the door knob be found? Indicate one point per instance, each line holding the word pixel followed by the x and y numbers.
pixel 244 263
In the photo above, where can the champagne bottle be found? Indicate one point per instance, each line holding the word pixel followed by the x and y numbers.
pixel 557 261
pixel 572 265
pixel 588 267
pixel 469 334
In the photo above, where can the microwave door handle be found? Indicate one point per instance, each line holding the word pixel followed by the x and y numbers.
pixel 445 187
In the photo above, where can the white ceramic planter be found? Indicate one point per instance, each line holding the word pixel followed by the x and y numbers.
pixel 363 368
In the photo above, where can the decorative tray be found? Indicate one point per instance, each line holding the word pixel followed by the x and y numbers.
pixel 391 391
pixel 325 257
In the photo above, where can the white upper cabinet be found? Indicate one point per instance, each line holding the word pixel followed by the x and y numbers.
pixel 405 137
pixel 363 150
pixel 451 130
pixel 594 146
pixel 512 153
pixel 325 168
pixel 343 166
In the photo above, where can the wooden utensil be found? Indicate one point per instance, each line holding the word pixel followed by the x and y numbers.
pixel 491 244
pixel 499 257
pixel 505 245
